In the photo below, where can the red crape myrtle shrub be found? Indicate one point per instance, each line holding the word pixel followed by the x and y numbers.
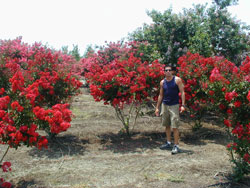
pixel 123 82
pixel 34 91
pixel 36 85
pixel 195 71
pixel 226 87
pixel 235 108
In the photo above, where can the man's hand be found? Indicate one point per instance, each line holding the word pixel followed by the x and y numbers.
pixel 157 112
pixel 183 109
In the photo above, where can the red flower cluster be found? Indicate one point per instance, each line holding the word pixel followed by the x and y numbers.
pixel 227 123
pixel 58 118
pixel 115 51
pixel 5 184
pixel 6 167
pixel 229 96
pixel 125 81
pixel 245 69
pixel 248 96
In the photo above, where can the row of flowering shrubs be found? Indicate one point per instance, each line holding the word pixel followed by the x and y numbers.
pixel 36 84
pixel 113 51
pixel 216 84
pixel 117 75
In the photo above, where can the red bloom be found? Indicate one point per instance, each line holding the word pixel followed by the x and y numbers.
pixel 229 111
pixel 32 140
pixel 222 106
pixel 229 145
pixel 64 126
pixel 247 158
pixel 16 105
pixel 5 184
pixel 1 131
pixel 11 128
pixel 227 123
pixel 19 136
pixel 2 113
pixel 211 92
pixel 215 75
pixel 43 142
pixel 4 101
pixel 223 89
pixel 237 104
pixel 238 130
pixel 230 95
pixel 17 81
pixel 23 128
pixel 248 96
pixel 232 146
pixel 6 166
pixel 2 90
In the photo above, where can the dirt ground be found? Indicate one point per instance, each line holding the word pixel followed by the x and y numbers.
pixel 93 154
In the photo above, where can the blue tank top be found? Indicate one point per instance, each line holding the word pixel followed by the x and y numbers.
pixel 170 92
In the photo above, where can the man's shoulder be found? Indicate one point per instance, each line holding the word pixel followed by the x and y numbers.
pixel 162 81
pixel 177 79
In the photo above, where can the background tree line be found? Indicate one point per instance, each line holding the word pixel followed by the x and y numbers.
pixel 209 31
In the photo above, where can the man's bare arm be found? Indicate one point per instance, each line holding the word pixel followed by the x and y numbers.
pixel 181 89
pixel 160 98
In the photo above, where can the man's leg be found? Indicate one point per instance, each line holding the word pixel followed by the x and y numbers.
pixel 168 134
pixel 175 121
pixel 167 145
pixel 176 141
pixel 176 136
pixel 166 123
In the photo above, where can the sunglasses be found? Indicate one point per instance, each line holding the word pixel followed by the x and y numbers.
pixel 168 70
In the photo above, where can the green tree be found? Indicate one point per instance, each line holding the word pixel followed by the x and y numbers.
pixel 75 52
pixel 229 38
pixel 207 31
pixel 65 49
pixel 89 51
pixel 172 34
pixel 225 3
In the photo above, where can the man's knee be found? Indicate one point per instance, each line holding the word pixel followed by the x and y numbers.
pixel 175 129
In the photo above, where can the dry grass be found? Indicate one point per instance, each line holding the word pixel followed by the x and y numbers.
pixel 92 154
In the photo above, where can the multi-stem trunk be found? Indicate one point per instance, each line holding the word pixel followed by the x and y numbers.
pixel 126 118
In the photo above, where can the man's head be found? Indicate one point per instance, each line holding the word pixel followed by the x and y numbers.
pixel 169 69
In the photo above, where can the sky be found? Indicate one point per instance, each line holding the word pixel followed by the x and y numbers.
pixel 58 23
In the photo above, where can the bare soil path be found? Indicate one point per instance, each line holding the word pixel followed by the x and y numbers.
pixel 92 154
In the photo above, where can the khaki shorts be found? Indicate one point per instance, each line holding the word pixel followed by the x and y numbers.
pixel 170 115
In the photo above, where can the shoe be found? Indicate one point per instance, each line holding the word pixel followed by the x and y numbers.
pixel 175 150
pixel 166 146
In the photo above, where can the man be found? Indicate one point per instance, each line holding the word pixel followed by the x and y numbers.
pixel 170 87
